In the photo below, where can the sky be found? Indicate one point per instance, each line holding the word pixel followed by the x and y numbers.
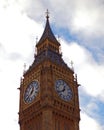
pixel 78 25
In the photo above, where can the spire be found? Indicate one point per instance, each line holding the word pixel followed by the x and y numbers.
pixel 48 34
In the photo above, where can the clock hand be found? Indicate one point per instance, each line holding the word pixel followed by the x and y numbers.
pixel 29 94
pixel 62 90
pixel 27 97
pixel 31 91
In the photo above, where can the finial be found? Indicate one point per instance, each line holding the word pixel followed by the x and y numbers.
pixel 36 39
pixel 58 38
pixel 24 68
pixel 47 14
pixel 76 77
pixel 35 52
pixel 72 65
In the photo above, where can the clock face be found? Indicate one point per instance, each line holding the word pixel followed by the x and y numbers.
pixel 31 91
pixel 63 90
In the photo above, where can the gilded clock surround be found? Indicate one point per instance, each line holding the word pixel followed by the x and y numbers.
pixel 48 111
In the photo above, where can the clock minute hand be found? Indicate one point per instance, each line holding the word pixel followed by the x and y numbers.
pixel 32 91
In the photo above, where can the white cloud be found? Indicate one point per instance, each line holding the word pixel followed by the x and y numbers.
pixel 16 29
pixel 82 16
pixel 88 19
pixel 90 73
pixel 17 45
pixel 84 21
pixel 101 96
pixel 88 123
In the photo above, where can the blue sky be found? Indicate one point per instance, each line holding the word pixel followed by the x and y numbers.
pixel 79 25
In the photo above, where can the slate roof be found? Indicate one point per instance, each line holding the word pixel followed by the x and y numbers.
pixel 48 34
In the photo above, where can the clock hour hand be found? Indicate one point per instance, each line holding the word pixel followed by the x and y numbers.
pixel 61 90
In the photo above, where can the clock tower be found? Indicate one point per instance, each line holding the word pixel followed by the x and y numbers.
pixel 49 90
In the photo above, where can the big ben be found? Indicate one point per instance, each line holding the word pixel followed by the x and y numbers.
pixel 49 97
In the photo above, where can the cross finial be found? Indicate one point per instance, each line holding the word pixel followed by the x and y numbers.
pixel 72 64
pixel 47 14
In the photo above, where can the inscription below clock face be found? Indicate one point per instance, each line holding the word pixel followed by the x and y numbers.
pixel 31 91
pixel 63 90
